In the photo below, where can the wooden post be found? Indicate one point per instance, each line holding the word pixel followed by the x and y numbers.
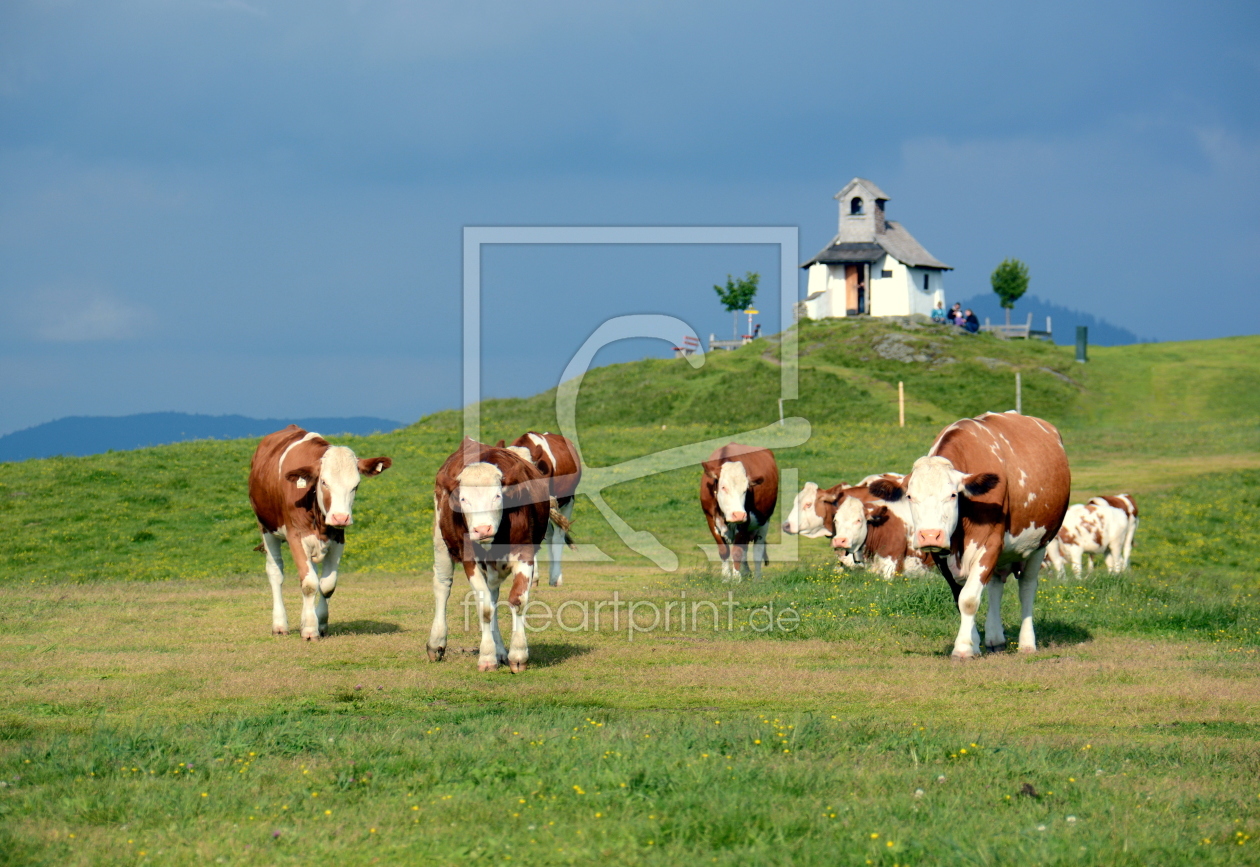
pixel 780 412
pixel 901 403
pixel 1019 394
pixel 1082 343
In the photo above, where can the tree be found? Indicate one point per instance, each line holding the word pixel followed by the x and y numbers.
pixel 737 295
pixel 1010 282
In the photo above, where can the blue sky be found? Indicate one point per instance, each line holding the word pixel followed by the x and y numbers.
pixel 256 207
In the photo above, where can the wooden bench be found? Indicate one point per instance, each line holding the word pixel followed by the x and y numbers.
pixel 1021 332
pixel 690 346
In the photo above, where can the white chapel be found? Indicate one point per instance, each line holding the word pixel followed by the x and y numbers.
pixel 873 266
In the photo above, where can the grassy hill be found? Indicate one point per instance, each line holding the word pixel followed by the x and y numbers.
pixel 162 722
pixel 1140 417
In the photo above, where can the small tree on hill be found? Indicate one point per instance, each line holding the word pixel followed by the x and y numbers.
pixel 737 295
pixel 1010 282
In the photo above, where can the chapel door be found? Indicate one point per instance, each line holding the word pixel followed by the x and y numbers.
pixel 853 299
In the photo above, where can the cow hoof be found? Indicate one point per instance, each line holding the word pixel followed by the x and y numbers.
pixel 436 653
pixel 279 630
pixel 310 634
pixel 323 631
pixel 518 667
pixel 556 582
pixel 963 655
pixel 1028 648
pixel 491 665
pixel 995 648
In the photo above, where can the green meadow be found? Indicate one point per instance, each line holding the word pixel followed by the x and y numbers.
pixel 148 716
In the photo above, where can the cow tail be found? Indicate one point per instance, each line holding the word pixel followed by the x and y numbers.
pixel 562 523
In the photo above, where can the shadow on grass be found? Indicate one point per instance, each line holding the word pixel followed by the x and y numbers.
pixel 1050 634
pixel 545 655
pixel 1059 633
pixel 362 627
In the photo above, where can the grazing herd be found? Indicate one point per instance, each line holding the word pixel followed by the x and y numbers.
pixel 989 501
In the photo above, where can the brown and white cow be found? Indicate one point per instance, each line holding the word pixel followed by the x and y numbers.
pixel 558 459
pixel 986 500
pixel 862 527
pixel 1094 528
pixel 1126 504
pixel 739 490
pixel 302 490
pixel 492 509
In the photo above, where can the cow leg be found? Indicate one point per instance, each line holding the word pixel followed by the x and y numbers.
pixel 1129 533
pixel 518 599
pixel 967 644
pixel 327 583
pixel 1027 593
pixel 275 574
pixel 994 637
pixel 443 577
pixel 490 654
pixel 555 542
pixel 303 559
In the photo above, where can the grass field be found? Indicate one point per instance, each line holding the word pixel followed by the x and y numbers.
pixel 148 716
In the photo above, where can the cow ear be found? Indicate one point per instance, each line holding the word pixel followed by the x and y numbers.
pixel 886 490
pixel 711 469
pixel 374 466
pixel 876 515
pixel 979 483
pixel 303 477
pixel 752 483
pixel 829 496
pixel 501 444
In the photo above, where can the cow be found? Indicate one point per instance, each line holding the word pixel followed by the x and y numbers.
pixel 491 513
pixel 302 490
pixel 739 490
pixel 1095 528
pixel 558 459
pixel 862 528
pixel 1125 503
pixel 986 500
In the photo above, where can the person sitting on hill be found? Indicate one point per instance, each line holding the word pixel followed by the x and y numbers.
pixel 955 316
pixel 970 322
pixel 938 314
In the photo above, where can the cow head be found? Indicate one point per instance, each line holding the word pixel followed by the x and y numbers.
pixel 932 490
pixel 849 524
pixel 479 496
pixel 335 480
pixel 731 486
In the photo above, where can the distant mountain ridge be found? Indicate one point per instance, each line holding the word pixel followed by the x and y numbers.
pixel 89 435
pixel 1063 319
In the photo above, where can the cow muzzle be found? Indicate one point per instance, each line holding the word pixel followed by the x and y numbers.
pixel 840 542
pixel 738 517
pixel 340 520
pixel 481 532
pixel 932 540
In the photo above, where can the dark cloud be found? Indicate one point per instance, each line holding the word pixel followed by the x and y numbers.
pixel 252 179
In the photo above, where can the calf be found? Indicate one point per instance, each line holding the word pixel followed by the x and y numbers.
pixel 492 510
pixel 302 490
pixel 1126 504
pixel 739 490
pixel 986 500
pixel 558 459
pixel 1080 536
pixel 861 527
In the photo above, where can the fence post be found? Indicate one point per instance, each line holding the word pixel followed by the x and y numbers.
pixel 901 403
pixel 1019 394
pixel 1082 343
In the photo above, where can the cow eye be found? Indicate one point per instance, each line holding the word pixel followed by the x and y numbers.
pixel 954 495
